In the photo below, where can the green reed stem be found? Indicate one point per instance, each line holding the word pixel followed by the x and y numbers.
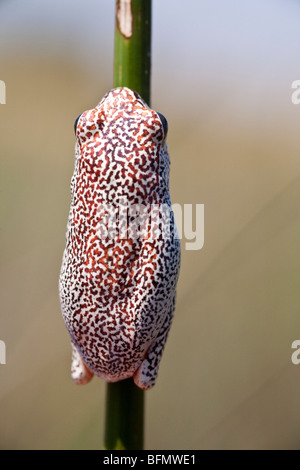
pixel 132 61
pixel 124 422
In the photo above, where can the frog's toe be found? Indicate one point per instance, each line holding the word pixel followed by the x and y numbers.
pixel 146 374
pixel 80 373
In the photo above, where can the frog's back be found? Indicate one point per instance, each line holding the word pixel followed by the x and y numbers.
pixel 121 262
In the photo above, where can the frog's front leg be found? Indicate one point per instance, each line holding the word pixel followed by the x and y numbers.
pixel 80 373
pixel 146 375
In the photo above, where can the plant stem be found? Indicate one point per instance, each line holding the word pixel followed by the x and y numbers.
pixel 132 62
pixel 124 426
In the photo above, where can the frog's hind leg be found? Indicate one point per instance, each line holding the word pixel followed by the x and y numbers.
pixel 145 376
pixel 80 373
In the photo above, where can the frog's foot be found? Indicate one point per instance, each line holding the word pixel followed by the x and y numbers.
pixel 146 375
pixel 80 373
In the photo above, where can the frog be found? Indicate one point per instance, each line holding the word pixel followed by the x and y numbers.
pixel 118 292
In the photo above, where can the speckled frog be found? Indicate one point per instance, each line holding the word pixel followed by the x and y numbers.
pixel 121 262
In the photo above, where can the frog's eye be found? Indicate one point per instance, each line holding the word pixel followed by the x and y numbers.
pixel 164 123
pixel 76 122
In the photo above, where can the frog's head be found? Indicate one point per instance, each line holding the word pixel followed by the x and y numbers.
pixel 122 125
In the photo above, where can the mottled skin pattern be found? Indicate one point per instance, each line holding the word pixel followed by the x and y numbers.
pixel 118 294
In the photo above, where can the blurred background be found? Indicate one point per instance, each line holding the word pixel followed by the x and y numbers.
pixel 222 75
